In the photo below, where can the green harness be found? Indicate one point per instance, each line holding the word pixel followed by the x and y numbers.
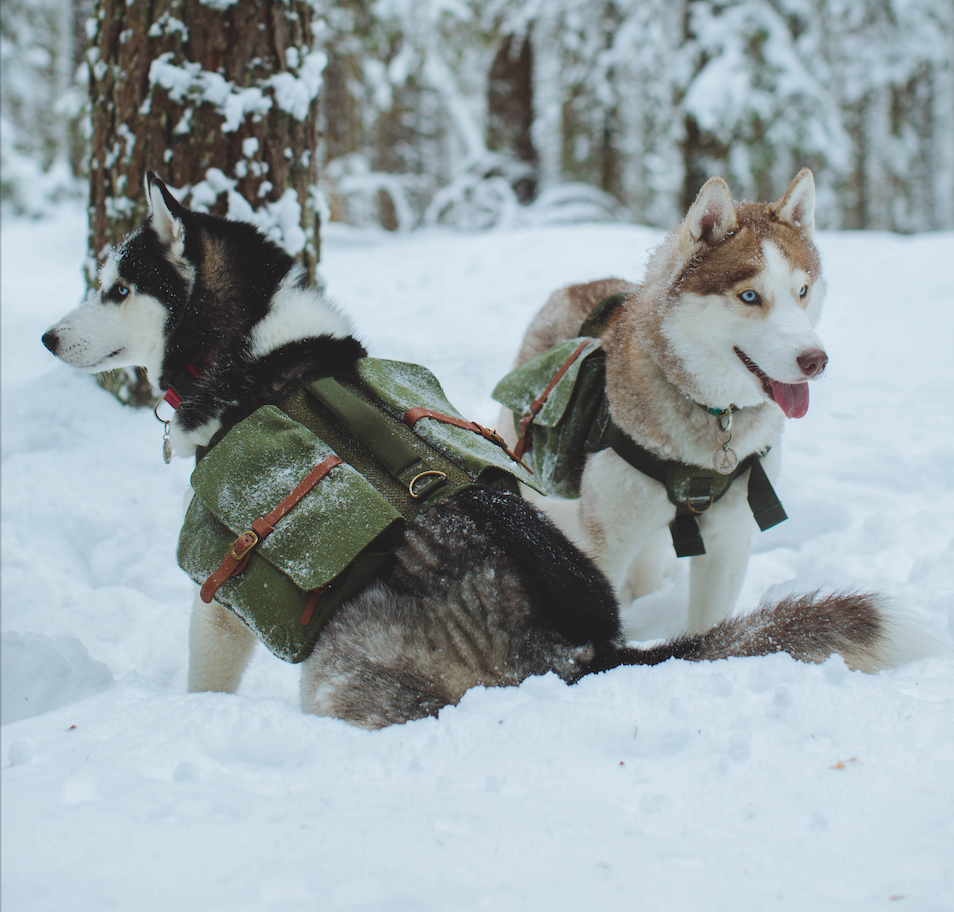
pixel 562 415
pixel 297 507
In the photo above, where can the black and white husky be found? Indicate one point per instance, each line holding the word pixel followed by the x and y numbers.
pixel 482 589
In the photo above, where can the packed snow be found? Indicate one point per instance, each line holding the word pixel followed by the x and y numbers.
pixel 742 784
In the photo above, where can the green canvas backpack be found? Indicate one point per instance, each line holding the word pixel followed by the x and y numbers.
pixel 299 505
pixel 561 415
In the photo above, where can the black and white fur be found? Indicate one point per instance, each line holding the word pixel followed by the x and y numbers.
pixel 482 589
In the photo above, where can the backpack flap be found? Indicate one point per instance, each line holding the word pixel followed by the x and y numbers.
pixel 311 561
pixel 555 399
pixel 400 387
pixel 522 386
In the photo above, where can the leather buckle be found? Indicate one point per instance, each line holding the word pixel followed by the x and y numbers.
pixel 249 539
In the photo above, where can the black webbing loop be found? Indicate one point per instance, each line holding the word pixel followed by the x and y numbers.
pixel 686 538
pixel 763 501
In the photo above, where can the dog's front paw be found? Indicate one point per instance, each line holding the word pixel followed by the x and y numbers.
pixel 185 443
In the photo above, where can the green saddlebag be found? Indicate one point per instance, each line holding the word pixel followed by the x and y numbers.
pixel 402 452
pixel 559 411
pixel 257 464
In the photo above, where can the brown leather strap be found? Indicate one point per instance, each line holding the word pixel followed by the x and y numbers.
pixel 227 569
pixel 523 442
pixel 237 556
pixel 413 415
pixel 313 598
pixel 304 486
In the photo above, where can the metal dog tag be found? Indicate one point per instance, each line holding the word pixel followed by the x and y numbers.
pixel 724 460
pixel 166 443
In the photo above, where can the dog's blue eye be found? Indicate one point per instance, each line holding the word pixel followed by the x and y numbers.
pixel 749 296
pixel 803 291
pixel 122 291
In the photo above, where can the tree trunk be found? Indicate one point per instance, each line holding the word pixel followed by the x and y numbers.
pixel 221 101
pixel 510 108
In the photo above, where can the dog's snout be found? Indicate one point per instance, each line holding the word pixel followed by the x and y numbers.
pixel 812 362
pixel 51 340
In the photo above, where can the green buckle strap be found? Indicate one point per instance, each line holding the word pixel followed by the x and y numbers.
pixel 699 496
pixel 399 459
pixel 763 502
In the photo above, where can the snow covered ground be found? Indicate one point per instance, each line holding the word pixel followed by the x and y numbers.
pixel 744 784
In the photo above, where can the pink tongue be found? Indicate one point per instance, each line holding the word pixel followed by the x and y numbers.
pixel 792 398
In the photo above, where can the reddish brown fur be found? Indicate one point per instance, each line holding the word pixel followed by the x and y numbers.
pixel 739 256
pixel 564 313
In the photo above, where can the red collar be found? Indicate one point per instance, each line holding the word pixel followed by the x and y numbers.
pixel 184 381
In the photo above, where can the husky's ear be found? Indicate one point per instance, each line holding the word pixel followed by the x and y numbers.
pixel 168 216
pixel 797 207
pixel 712 216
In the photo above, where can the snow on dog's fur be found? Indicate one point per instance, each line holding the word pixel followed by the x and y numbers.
pixel 724 316
pixel 482 589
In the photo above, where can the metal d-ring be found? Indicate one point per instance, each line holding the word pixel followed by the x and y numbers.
pixel 410 487
pixel 155 412
pixel 692 509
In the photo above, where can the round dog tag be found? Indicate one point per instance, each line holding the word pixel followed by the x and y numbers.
pixel 724 460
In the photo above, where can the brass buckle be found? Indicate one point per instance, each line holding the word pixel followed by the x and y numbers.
pixel 251 536
pixel 414 480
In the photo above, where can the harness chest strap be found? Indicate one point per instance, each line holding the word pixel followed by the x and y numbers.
pixel 237 556
pixel 702 488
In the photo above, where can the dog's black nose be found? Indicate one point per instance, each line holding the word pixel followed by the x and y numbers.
pixel 51 340
pixel 812 362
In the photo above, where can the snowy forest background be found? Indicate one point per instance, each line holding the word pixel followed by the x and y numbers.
pixel 474 113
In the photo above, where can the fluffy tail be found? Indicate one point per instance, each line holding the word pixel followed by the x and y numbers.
pixel 810 628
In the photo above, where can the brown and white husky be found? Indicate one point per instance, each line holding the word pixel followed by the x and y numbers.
pixel 724 318
pixel 481 589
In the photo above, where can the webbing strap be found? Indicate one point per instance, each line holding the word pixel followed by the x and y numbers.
pixel 763 501
pixel 705 488
pixel 399 458
pixel 686 537
pixel 638 457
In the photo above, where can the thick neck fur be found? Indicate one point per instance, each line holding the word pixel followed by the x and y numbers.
pixel 253 315
pixel 662 415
